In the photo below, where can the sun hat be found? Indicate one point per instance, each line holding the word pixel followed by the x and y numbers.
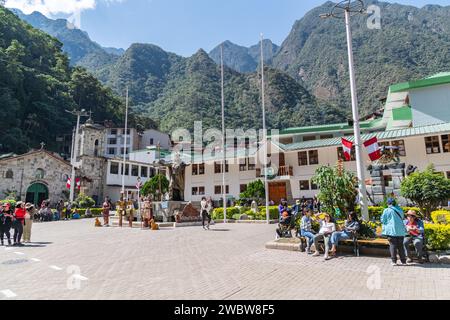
pixel 412 213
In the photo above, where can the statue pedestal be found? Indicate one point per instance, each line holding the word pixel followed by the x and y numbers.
pixel 167 210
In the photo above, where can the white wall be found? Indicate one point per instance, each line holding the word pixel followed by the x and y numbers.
pixel 430 105
pixel 157 136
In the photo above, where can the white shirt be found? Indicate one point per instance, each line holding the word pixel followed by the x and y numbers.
pixel 327 227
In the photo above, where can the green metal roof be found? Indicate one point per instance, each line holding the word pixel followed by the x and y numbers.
pixel 437 79
pixel 386 135
pixel 401 114
pixel 369 125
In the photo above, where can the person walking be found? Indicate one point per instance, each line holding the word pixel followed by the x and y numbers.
pixel 28 222
pixel 6 219
pixel 59 210
pixel 19 220
pixel 105 212
pixel 68 214
pixel 394 229
pixel 205 215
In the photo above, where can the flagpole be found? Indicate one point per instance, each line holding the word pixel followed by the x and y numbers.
pixel 125 146
pixel 263 98
pixel 224 190
pixel 358 142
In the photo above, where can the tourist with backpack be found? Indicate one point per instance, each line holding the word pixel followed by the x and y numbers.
pixel 392 221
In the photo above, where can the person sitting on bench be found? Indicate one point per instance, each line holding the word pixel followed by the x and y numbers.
pixel 306 230
pixel 284 224
pixel 350 228
pixel 416 232
pixel 327 228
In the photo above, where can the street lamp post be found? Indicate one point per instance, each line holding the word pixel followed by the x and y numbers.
pixel 79 114
pixel 345 9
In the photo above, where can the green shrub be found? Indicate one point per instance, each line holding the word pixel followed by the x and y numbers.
pixel 218 213
pixel 438 236
pixel 83 201
pixel 441 217
pixel 273 213
pixel 96 212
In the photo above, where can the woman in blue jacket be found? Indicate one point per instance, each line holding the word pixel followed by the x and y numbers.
pixel 394 229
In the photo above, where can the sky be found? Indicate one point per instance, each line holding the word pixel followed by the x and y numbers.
pixel 182 26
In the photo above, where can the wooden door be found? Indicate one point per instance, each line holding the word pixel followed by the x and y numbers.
pixel 277 191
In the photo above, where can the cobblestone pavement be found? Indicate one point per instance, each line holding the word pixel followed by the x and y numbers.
pixel 74 260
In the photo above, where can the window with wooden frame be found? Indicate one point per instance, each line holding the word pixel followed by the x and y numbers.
pixel 313 157
pixel 432 145
pixel 446 143
pixel 304 185
pixel 303 158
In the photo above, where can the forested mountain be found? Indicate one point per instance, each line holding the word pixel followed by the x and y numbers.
pixel 177 91
pixel 412 43
pixel 76 43
pixel 243 59
pixel 37 85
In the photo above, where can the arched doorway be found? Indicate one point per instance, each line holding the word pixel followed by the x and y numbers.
pixel 37 193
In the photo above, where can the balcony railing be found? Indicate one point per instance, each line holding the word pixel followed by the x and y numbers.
pixel 284 171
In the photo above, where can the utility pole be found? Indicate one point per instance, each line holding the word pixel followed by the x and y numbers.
pixel 78 114
pixel 263 102
pixel 224 143
pixel 125 146
pixel 346 9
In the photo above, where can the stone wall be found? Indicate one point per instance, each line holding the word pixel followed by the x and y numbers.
pixel 34 167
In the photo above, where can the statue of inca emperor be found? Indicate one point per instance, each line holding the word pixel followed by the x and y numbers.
pixel 177 178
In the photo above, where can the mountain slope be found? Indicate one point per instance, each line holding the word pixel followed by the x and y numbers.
pixel 81 49
pixel 243 59
pixel 37 85
pixel 194 95
pixel 412 43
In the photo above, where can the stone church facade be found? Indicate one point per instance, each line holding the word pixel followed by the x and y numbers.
pixel 42 175
pixel 35 176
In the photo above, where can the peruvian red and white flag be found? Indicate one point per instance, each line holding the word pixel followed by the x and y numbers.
pixel 373 149
pixel 347 146
pixel 77 181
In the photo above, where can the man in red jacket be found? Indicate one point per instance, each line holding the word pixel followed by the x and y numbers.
pixel 19 220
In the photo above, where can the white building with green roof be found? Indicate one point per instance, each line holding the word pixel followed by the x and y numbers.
pixel 416 120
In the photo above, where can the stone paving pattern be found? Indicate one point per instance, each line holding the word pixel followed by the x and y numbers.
pixel 228 262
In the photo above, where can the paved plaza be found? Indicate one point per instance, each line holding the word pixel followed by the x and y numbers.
pixel 75 260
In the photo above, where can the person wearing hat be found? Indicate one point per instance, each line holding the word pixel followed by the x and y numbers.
pixel 18 223
pixel 395 231
pixel 416 235
pixel 31 210
pixel 6 219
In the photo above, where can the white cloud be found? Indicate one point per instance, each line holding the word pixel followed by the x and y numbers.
pixel 52 7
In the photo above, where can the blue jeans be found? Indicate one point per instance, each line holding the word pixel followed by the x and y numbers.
pixel 338 236
pixel 309 235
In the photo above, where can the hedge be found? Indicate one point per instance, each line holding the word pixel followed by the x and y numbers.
pixel 438 236
pixel 235 213
pixel 441 217
pixel 94 211
pixel 218 213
